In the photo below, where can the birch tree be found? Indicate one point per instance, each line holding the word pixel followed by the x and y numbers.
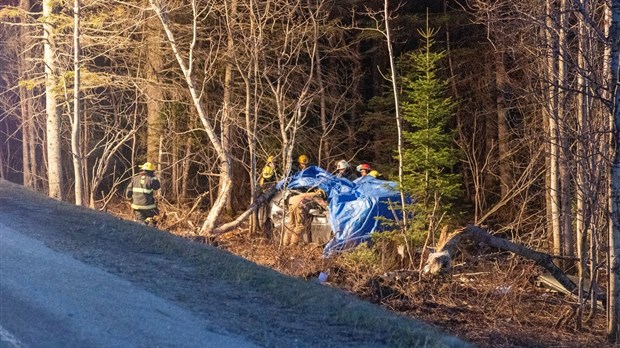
pixel 613 303
pixel 52 110
pixel 25 97
pixel 187 67
pixel 76 120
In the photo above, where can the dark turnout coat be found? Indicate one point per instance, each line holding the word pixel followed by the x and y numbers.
pixel 141 189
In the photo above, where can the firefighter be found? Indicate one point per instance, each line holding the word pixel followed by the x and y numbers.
pixel 345 171
pixel 299 214
pixel 268 174
pixel 375 174
pixel 303 162
pixel 141 190
pixel 364 169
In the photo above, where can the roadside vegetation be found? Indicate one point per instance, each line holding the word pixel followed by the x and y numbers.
pixel 498 120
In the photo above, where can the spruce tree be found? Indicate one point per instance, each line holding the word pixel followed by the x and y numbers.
pixel 430 153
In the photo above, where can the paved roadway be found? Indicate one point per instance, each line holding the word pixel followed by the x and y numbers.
pixel 48 299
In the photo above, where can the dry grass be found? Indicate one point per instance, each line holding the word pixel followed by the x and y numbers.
pixel 490 298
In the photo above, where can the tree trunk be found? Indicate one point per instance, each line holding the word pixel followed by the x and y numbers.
pixel 581 168
pixel 503 135
pixel 75 124
pixel 187 160
pixel 175 150
pixel 222 153
pixel 395 92
pixel 324 143
pixel 263 198
pixel 28 155
pixel 226 125
pixel 441 260
pixel 154 92
pixel 52 111
pixel 551 73
pixel 564 163
pixel 613 323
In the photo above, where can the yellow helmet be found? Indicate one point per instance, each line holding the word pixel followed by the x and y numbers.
pixel 268 172
pixel 148 166
pixel 374 173
pixel 303 159
pixel 321 193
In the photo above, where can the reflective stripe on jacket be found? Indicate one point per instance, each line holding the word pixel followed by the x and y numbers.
pixel 141 191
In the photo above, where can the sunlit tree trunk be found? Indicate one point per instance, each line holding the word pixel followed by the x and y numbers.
pixel 395 91
pixel 582 167
pixel 552 116
pixel 154 91
pixel 52 111
pixel 223 154
pixel 225 133
pixel 566 218
pixel 613 326
pixel 76 124
pixel 324 144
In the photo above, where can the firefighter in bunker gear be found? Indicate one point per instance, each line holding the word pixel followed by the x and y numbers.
pixel 268 174
pixel 345 171
pixel 303 162
pixel 375 174
pixel 364 169
pixel 299 214
pixel 141 190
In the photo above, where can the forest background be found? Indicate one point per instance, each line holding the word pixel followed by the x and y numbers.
pixel 207 90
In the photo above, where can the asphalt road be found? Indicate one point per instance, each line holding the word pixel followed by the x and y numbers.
pixel 48 299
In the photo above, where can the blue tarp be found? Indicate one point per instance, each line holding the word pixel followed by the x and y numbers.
pixel 353 206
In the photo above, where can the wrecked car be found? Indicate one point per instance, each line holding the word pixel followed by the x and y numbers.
pixel 352 215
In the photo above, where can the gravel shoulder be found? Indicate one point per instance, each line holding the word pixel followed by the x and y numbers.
pixel 231 293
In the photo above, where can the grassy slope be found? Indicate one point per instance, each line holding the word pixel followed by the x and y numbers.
pixel 232 293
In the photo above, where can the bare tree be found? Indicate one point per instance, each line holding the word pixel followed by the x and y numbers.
pixel 26 108
pixel 54 157
pixel 76 120
pixel 187 66
pixel 613 304
pixel 381 21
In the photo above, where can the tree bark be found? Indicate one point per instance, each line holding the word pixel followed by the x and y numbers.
pixel 395 92
pixel 28 155
pixel 613 319
pixel 262 199
pixel 582 165
pixel 52 111
pixel 226 126
pixel 76 121
pixel 225 164
pixel 503 135
pixel 154 91
pixel 564 152
pixel 552 115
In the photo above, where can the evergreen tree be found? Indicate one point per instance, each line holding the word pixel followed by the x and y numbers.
pixel 430 153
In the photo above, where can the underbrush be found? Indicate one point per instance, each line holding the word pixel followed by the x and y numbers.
pixel 489 298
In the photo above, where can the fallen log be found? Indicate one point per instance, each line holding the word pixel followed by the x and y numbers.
pixel 440 260
pixel 230 226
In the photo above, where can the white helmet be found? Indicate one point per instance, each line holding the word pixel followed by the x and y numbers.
pixel 342 164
